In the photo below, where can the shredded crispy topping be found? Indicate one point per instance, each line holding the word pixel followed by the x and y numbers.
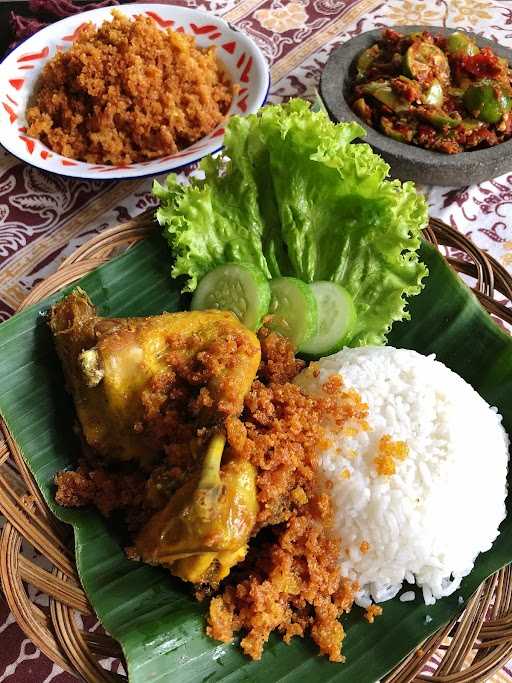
pixel 291 582
pixel 371 612
pixel 128 91
pixel 388 452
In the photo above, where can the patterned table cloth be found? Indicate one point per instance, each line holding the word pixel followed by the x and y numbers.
pixel 44 218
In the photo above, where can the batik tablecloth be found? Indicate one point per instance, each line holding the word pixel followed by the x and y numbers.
pixel 44 218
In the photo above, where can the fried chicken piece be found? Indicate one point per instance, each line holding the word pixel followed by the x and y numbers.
pixel 205 528
pixel 206 358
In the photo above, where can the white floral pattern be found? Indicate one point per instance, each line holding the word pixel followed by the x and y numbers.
pixel 282 18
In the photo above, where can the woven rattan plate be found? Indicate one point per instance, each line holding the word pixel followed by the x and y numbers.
pixel 467 650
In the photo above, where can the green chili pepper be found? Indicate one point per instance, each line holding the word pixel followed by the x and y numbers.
pixel 487 101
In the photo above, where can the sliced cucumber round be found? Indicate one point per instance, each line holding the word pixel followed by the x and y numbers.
pixel 336 317
pixel 293 310
pixel 242 289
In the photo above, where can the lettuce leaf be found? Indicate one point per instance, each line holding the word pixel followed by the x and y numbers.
pixel 294 195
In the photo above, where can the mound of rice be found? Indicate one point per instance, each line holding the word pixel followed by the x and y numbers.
pixel 427 522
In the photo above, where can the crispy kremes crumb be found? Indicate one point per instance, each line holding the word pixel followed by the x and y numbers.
pixel 290 583
pixel 128 91
pixel 293 586
pixel 98 487
pixel 371 612
pixel 388 452
pixel 278 362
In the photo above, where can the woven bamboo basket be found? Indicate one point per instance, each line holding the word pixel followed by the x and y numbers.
pixel 469 649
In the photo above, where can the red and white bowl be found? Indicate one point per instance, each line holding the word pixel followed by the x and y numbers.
pixel 19 71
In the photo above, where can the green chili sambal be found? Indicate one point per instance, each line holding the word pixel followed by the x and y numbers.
pixel 442 93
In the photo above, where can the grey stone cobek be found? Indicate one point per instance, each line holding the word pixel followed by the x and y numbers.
pixel 409 162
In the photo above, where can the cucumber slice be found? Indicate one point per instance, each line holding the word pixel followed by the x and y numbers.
pixel 336 317
pixel 242 289
pixel 293 310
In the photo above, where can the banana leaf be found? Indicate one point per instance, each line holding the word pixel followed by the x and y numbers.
pixel 154 616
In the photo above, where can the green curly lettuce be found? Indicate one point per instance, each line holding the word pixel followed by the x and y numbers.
pixel 294 195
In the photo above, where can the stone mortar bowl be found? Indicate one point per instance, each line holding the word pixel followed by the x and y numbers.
pixel 409 162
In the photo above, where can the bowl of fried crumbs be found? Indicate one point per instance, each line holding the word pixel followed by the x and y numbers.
pixel 127 92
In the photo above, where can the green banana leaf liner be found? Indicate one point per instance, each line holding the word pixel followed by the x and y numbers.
pixel 154 616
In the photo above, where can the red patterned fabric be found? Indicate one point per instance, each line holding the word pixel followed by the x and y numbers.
pixel 44 218
pixel 23 27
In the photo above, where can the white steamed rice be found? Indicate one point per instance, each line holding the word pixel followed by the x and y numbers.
pixel 427 522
